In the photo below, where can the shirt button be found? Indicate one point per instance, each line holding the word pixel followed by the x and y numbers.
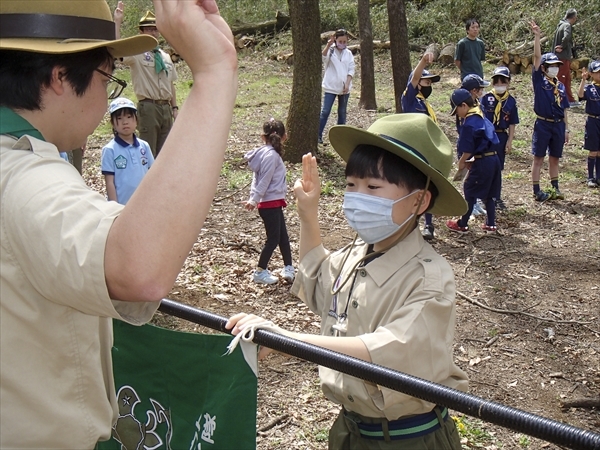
pixel 427 260
pixel 354 304
pixel 350 398
pixel 363 273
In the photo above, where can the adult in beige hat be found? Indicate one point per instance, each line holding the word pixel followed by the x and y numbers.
pixel 153 75
pixel 70 261
pixel 387 298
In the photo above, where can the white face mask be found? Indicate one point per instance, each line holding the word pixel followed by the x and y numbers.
pixel 340 45
pixel 552 71
pixel 500 89
pixel 371 216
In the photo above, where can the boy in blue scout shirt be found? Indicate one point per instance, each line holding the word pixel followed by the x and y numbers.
pixel 474 84
pixel 476 142
pixel 591 95
pixel 550 131
pixel 500 108
pixel 126 158
pixel 414 100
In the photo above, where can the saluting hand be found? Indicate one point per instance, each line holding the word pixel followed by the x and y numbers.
pixel 198 32
pixel 308 189
pixel 118 14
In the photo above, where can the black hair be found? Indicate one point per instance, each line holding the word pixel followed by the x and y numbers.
pixel 341 32
pixel 570 13
pixel 470 102
pixel 119 113
pixel 368 161
pixel 495 78
pixel 470 22
pixel 23 75
pixel 273 131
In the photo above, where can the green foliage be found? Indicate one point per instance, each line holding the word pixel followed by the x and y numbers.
pixel 503 25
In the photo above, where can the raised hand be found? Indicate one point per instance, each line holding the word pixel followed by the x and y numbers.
pixel 308 189
pixel 198 32
pixel 118 14
pixel 534 28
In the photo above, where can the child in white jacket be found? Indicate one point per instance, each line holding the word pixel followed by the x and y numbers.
pixel 337 79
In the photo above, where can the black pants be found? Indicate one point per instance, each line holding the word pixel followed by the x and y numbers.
pixel 276 236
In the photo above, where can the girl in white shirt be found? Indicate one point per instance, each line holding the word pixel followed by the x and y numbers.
pixel 337 79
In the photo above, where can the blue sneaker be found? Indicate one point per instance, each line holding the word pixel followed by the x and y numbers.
pixel 263 276
pixel 541 196
pixel 478 209
pixel 288 273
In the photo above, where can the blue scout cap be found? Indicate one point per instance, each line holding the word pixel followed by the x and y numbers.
pixel 428 75
pixel 550 58
pixel 459 96
pixel 473 81
pixel 120 103
pixel 501 72
pixel 594 66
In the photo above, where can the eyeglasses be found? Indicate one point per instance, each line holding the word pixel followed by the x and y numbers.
pixel 115 87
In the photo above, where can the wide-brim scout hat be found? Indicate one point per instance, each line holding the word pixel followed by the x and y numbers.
pixel 550 58
pixel 428 75
pixel 64 26
pixel 148 20
pixel 419 141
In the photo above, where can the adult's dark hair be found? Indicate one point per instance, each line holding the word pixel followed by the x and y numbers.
pixel 571 12
pixel 367 161
pixel 470 22
pixel 273 131
pixel 23 75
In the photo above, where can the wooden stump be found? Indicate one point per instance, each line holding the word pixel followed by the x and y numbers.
pixel 446 57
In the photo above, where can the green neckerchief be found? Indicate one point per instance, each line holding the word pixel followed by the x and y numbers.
pixel 159 64
pixel 14 125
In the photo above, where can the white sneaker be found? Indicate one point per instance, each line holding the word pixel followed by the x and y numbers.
pixel 288 273
pixel 263 276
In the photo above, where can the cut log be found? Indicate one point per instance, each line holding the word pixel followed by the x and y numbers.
pixel 281 22
pixel 527 69
pixel 580 63
pixel 447 55
pixel 517 59
pixel 245 42
pixel 507 57
pixel 514 68
pixel 434 49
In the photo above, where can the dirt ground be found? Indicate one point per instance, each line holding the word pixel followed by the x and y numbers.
pixel 528 301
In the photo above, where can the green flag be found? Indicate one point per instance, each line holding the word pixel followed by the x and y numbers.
pixel 177 391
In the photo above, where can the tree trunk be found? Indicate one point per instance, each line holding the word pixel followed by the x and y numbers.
pixel 367 65
pixel 399 47
pixel 303 115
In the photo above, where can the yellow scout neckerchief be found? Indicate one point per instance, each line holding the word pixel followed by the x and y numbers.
pixel 430 111
pixel 500 99
pixel 554 84
pixel 475 110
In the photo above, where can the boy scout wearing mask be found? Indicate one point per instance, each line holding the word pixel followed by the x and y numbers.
pixel 388 297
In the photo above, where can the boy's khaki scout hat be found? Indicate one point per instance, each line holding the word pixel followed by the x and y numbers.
pixel 418 140
pixel 64 26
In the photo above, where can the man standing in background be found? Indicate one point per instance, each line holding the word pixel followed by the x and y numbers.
pixel 563 48
pixel 470 51
pixel 153 75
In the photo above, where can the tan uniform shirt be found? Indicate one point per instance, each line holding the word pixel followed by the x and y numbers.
pixel 146 82
pixel 57 388
pixel 402 306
